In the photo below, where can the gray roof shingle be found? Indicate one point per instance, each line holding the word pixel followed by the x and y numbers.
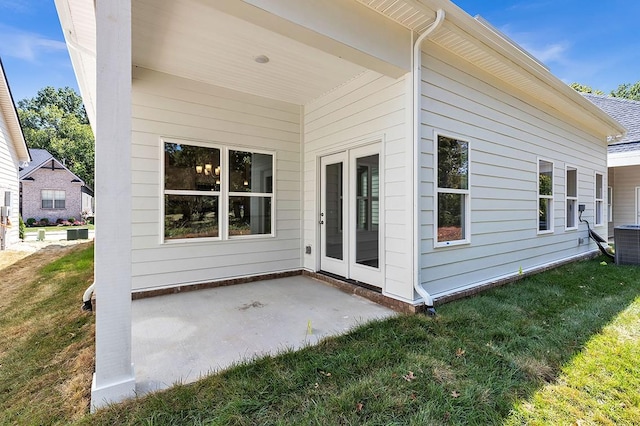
pixel 625 111
pixel 38 158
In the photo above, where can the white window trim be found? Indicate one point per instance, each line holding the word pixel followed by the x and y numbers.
pixel 223 194
pixel 598 202
pixel 549 197
pixel 609 204
pixel 466 192
pixel 571 198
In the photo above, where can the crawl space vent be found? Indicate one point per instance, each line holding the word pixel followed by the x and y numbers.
pixel 627 239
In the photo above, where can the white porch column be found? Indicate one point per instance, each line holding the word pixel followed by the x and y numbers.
pixel 114 378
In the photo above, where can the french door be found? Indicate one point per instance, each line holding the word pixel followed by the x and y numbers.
pixel 349 216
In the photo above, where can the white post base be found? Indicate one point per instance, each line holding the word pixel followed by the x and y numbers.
pixel 112 392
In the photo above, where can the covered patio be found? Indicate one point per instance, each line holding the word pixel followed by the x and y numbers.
pixel 179 338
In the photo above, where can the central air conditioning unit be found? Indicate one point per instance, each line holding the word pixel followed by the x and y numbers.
pixel 627 240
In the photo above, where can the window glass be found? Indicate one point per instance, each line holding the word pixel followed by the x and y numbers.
pixel 190 216
pixel 250 172
pixel 451 217
pixel 453 163
pixel 249 215
pixel 191 168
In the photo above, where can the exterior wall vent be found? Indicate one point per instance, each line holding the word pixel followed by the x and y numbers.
pixel 627 239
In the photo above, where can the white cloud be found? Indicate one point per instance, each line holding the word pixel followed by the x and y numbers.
pixel 27 46
pixel 555 52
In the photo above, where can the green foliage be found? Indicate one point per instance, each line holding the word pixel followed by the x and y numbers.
pixel 627 91
pixel 55 120
pixel 31 221
pixel 585 89
pixel 21 228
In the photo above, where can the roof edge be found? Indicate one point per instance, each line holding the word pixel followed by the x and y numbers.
pixel 15 127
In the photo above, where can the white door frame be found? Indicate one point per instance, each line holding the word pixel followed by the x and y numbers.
pixel 331 264
pixel 348 267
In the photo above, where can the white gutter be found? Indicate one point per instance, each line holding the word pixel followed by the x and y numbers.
pixel 417 108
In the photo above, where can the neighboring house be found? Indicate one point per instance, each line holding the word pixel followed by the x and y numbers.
pixel 50 190
pixel 13 154
pixel 623 192
pixel 265 137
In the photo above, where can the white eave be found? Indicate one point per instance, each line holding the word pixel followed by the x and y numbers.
pixel 486 48
pixel 78 21
pixel 462 35
pixel 8 108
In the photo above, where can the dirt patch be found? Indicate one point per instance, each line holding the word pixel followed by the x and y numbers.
pixel 18 266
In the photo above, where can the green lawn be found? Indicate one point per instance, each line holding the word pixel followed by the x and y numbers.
pixel 34 230
pixel 558 348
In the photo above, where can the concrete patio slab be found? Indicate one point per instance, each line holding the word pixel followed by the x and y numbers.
pixel 180 337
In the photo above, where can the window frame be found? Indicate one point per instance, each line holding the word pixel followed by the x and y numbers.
pixel 573 199
pixel 540 197
pixel 54 199
pixel 466 193
pixel 609 204
pixel 226 187
pixel 223 194
pixel 598 204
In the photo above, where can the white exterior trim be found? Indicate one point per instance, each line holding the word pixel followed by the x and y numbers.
pixel 114 378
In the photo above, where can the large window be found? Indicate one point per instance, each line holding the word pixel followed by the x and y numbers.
pixel 452 209
pixel 53 199
pixel 571 183
pixel 201 182
pixel 545 196
pixel 599 199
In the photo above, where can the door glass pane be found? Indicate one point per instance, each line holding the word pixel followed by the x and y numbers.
pixel 333 220
pixel 367 202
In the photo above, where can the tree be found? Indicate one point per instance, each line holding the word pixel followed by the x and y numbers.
pixel 55 120
pixel 585 89
pixel 627 91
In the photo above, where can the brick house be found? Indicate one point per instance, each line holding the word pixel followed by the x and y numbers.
pixel 50 190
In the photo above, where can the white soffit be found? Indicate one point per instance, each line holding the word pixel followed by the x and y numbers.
pixel 171 36
pixel 404 12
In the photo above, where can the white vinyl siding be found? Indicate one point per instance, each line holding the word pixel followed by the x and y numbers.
pixel 370 108
pixel 624 181
pixel 510 132
pixel 9 180
pixel 174 108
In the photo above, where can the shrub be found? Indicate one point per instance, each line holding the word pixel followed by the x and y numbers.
pixel 21 227
pixel 72 219
pixel 59 221
pixel 31 221
pixel 44 221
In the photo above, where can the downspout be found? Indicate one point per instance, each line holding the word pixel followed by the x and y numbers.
pixel 417 108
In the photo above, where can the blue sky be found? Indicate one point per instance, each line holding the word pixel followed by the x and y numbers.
pixel 593 42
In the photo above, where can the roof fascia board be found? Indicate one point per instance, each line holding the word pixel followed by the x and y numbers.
pixel 621 159
pixel 348 30
pixel 494 41
pixel 41 165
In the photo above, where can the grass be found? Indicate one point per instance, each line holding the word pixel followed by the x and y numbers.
pixel 34 229
pixel 46 342
pixel 528 353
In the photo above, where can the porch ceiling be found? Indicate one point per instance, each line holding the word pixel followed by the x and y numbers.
pixel 172 36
